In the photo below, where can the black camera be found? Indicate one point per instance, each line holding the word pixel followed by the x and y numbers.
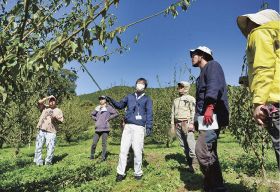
pixel 244 80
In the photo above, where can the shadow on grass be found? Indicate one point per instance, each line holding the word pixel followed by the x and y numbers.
pixel 158 146
pixel 114 143
pixel 227 141
pixel 112 154
pixel 192 181
pixel 64 144
pixel 108 154
pixel 59 157
pixel 10 165
pixel 18 163
pixel 130 161
pixel 176 156
pixel 232 187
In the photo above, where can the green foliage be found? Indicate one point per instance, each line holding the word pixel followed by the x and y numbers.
pixel 162 103
pixel 76 118
pixel 20 114
pixel 19 125
pixel 53 178
pixel 35 44
pixel 251 137
pixel 117 92
pixel 34 39
pixel 73 171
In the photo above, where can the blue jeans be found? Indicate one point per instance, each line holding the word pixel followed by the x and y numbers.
pixel 50 139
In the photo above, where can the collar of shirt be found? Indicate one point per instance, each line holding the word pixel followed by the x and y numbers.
pixel 137 98
pixel 99 108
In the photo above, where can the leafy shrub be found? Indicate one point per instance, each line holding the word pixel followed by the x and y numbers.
pixel 76 118
pixel 52 178
pixel 251 137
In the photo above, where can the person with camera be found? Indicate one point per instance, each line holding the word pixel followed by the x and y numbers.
pixel 49 121
pixel 138 121
pixel 263 56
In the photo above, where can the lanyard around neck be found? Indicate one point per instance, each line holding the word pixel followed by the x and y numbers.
pixel 137 98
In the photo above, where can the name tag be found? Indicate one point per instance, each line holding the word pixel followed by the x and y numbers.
pixel 138 117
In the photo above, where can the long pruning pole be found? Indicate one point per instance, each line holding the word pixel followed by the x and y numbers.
pixel 95 82
pixel 145 18
pixel 126 26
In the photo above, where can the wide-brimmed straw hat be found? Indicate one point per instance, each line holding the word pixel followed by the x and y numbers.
pixel 259 18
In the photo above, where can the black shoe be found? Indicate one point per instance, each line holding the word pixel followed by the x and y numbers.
pixel 220 189
pixel 190 169
pixel 119 178
pixel 104 157
pixel 138 177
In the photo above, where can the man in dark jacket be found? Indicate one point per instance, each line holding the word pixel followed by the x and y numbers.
pixel 211 102
pixel 138 117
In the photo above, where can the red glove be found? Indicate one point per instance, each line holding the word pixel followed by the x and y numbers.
pixel 208 115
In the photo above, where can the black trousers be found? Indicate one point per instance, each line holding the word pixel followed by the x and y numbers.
pixel 206 153
pixel 97 135
pixel 273 128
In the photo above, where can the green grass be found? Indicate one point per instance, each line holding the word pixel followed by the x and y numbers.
pixel 164 170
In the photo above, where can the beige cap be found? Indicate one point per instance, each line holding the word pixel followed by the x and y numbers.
pixel 259 18
pixel 52 98
pixel 184 84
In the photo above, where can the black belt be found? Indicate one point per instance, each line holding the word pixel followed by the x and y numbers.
pixel 179 121
pixel 44 131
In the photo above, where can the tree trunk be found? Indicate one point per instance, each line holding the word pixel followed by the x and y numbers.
pixel 17 149
pixel 167 142
pixel 1 143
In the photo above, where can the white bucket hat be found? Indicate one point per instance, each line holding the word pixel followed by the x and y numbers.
pixel 186 85
pixel 259 18
pixel 203 49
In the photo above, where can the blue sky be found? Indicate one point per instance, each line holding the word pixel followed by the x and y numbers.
pixel 164 43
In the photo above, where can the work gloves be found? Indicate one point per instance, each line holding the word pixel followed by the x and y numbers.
pixel 208 115
pixel 148 132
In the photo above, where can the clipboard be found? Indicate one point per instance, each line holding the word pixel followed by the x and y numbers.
pixel 203 127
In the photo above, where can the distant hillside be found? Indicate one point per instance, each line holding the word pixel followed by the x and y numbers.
pixel 118 92
pixel 112 92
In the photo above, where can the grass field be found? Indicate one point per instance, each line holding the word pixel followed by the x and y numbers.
pixel 164 170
